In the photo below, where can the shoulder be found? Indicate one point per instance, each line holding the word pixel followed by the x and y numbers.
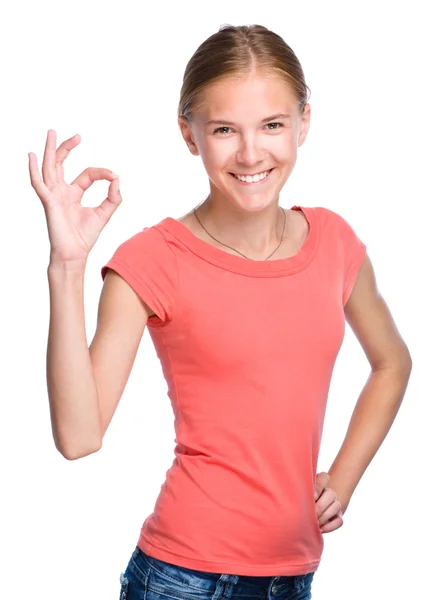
pixel 146 261
pixel 148 242
pixel 146 254
pixel 148 236
pixel 333 222
pixel 329 216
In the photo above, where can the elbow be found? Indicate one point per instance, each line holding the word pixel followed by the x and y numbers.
pixel 72 451
pixel 70 454
pixel 407 362
pixel 400 363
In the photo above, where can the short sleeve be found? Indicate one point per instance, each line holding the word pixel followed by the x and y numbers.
pixel 354 254
pixel 351 251
pixel 148 265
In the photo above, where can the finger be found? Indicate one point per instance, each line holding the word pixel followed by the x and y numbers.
pixel 62 152
pixel 321 481
pixel 48 165
pixel 91 174
pixel 36 179
pixel 332 525
pixel 330 512
pixel 110 204
pixel 327 498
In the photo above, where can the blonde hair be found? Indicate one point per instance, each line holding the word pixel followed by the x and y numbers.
pixel 234 51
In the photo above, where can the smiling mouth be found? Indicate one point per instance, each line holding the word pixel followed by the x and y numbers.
pixel 268 171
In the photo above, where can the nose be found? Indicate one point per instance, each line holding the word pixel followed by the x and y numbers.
pixel 249 153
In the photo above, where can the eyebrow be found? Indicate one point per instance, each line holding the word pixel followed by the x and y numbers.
pixel 220 121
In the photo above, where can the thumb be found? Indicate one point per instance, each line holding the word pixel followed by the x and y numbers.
pixel 321 481
pixel 110 204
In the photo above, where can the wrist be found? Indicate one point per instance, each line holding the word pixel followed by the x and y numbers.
pixel 66 266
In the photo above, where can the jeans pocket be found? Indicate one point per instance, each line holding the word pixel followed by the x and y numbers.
pixel 124 587
pixel 308 579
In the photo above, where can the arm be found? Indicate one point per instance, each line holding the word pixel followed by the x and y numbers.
pixel 72 390
pixel 377 406
pixel 86 384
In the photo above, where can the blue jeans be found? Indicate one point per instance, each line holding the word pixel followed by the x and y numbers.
pixel 148 578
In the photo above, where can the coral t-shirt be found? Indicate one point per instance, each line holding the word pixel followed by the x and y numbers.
pixel 247 349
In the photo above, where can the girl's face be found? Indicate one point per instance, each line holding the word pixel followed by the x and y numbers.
pixel 257 126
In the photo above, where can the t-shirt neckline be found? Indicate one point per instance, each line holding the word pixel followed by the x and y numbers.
pixel 243 266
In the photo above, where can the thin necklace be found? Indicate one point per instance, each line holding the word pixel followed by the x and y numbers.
pixel 282 236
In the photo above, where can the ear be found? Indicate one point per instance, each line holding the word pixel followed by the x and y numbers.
pixel 187 134
pixel 305 124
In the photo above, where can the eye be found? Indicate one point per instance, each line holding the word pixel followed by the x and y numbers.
pixel 273 129
pixel 219 128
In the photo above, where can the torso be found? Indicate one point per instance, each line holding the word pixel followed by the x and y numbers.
pixel 296 232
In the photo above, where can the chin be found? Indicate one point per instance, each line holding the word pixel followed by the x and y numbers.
pixel 254 203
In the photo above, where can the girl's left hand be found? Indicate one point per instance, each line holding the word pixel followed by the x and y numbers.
pixel 328 507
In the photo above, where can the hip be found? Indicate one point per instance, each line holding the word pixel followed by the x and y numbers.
pixel 148 578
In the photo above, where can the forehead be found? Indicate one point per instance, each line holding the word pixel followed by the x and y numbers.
pixel 251 97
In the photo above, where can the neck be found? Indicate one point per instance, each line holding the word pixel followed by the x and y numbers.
pixel 252 233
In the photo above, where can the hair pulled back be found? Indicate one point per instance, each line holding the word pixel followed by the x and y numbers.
pixel 236 51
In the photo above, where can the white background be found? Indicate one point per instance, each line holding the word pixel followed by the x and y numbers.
pixel 112 72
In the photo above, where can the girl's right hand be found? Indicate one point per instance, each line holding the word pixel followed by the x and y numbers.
pixel 73 229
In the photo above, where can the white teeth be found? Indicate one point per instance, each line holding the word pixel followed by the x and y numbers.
pixel 252 178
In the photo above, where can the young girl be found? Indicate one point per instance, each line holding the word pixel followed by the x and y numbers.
pixel 246 303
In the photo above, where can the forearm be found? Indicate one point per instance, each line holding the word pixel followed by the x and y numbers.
pixel 374 413
pixel 73 398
